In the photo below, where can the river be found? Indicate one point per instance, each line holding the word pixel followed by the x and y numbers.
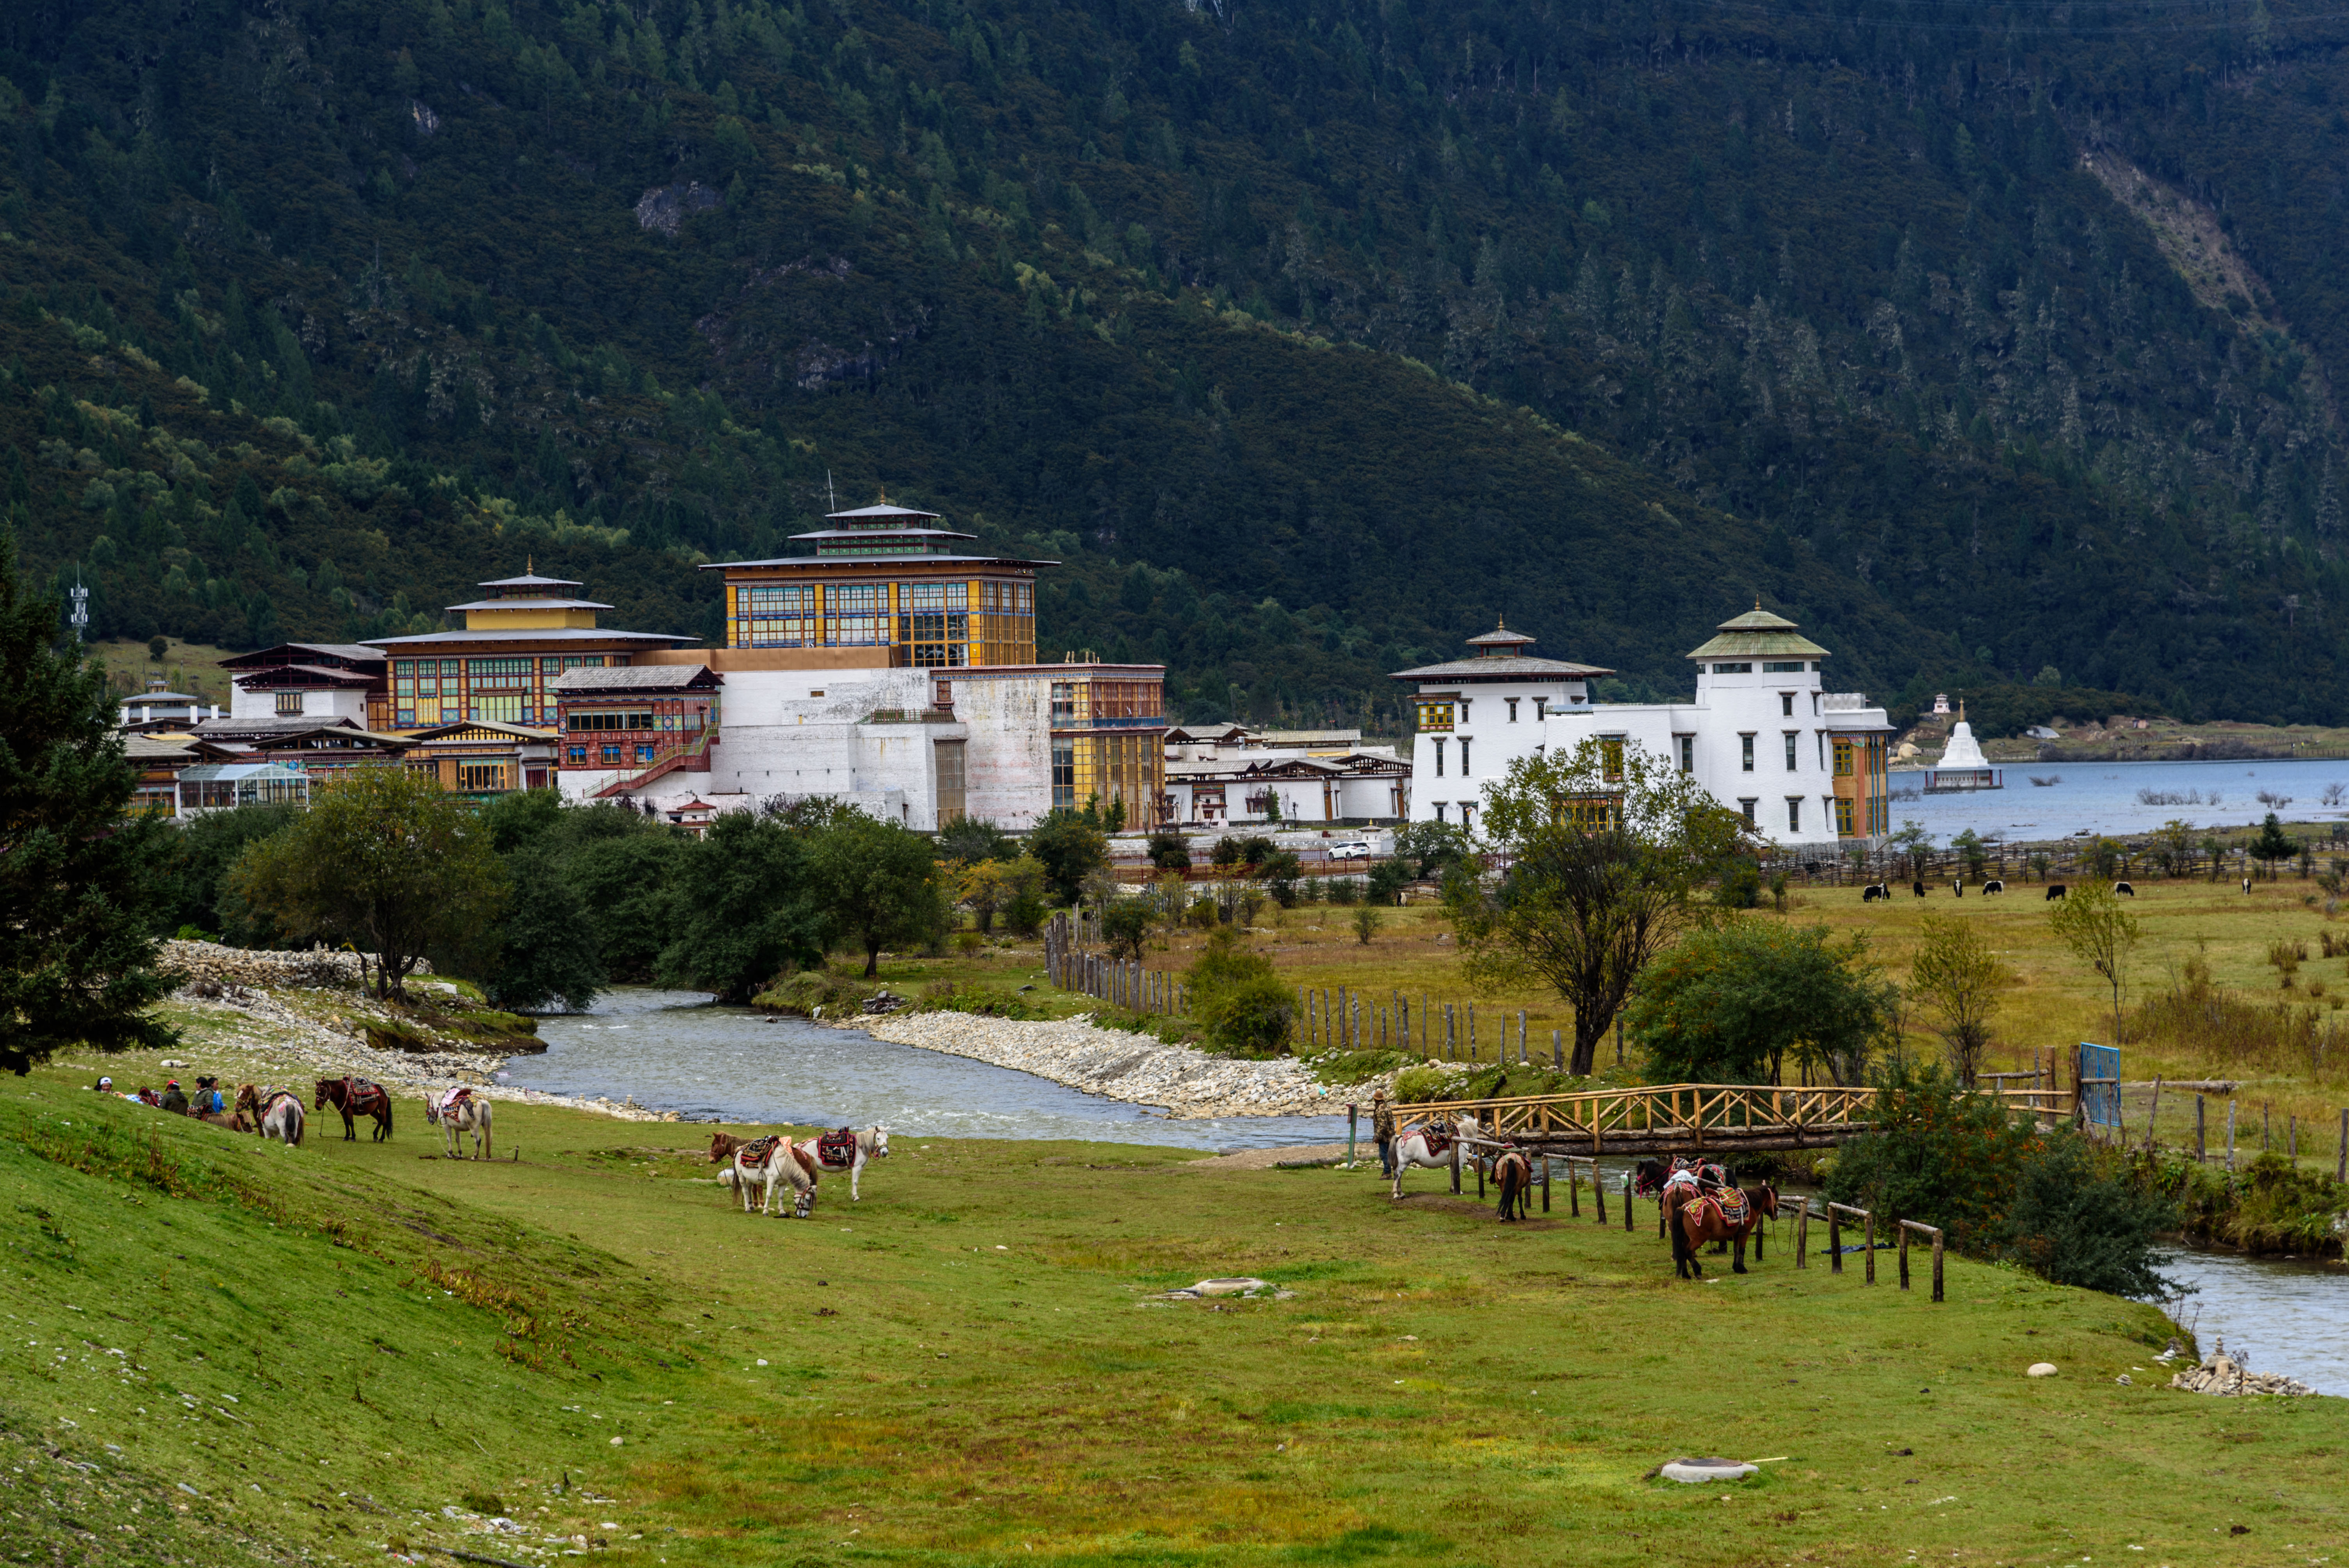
pixel 676 1051
pixel 2103 797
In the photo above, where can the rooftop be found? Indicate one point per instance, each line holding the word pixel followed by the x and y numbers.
pixel 636 677
pixel 526 635
pixel 877 557
pixel 1502 666
pixel 1758 635
pixel 157 697
pixel 355 652
pixel 530 580
pixel 530 603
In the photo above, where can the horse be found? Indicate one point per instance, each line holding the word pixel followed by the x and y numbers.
pixel 1701 1217
pixel 847 1151
pixel 457 1112
pixel 1428 1146
pixel 762 1162
pixel 357 1098
pixel 276 1112
pixel 1514 1173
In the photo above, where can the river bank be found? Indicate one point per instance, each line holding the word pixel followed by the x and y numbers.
pixel 1117 1065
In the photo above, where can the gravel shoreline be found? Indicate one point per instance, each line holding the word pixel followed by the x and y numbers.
pixel 322 1032
pixel 1116 1065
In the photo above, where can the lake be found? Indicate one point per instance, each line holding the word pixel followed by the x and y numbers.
pixel 2103 797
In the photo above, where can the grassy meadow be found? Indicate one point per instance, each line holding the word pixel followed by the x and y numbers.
pixel 346 1349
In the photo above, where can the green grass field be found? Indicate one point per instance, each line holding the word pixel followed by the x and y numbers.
pixel 329 1348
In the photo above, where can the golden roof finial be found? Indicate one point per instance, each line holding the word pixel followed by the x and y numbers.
pixel 1500 623
pixel 1757 601
pixel 530 565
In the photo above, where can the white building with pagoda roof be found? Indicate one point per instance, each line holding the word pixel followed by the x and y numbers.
pixel 1763 736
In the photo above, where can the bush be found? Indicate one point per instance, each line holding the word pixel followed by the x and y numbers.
pixel 984 1001
pixel 1741 886
pixel 1280 871
pixel 1170 852
pixel 1343 889
pixel 2080 1221
pixel 2055 1203
pixel 1245 1009
pixel 1366 923
pixel 1387 881
pixel 1415 1085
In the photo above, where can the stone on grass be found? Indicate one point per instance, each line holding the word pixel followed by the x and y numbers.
pixel 1695 1471
pixel 2041 1369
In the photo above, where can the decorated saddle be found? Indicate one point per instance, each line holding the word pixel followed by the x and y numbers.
pixel 1438 1138
pixel 757 1151
pixel 836 1151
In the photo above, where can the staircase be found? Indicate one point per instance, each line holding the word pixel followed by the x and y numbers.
pixel 666 763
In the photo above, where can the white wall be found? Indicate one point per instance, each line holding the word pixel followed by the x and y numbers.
pixel 1727 708
pixel 318 705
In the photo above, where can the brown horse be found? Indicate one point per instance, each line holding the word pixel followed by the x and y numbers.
pixel 357 1098
pixel 1514 1173
pixel 1696 1218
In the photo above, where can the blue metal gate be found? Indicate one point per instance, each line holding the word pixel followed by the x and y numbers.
pixel 2100 1102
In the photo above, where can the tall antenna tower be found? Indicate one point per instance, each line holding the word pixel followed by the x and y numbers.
pixel 830 498
pixel 79 616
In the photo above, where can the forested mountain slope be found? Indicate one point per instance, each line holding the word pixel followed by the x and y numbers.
pixel 1272 321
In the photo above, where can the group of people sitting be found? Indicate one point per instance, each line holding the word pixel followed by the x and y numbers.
pixel 209 1101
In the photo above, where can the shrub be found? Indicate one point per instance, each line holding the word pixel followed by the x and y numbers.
pixel 2079 1220
pixel 1387 881
pixel 1741 886
pixel 1366 923
pixel 1343 889
pixel 1245 1009
pixel 983 1001
pixel 1125 926
pixel 1170 852
pixel 1939 1156
pixel 1413 1085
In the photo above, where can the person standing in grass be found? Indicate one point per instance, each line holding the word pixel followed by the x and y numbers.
pixel 1382 1127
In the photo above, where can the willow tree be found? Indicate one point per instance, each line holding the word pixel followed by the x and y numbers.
pixel 1606 848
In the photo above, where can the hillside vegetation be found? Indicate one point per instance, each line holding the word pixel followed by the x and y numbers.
pixel 1985 348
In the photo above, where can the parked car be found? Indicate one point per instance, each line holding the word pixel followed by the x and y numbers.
pixel 1351 850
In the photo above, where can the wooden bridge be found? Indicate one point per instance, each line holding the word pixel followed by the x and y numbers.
pixel 1685 1118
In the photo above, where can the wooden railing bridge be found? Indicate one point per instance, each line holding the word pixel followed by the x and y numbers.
pixel 1686 1118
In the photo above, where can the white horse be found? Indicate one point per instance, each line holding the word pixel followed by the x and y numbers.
pixel 276 1112
pixel 762 1162
pixel 848 1154
pixel 459 1112
pixel 1414 1147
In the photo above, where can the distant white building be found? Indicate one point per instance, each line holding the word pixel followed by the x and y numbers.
pixel 1222 774
pixel 1805 765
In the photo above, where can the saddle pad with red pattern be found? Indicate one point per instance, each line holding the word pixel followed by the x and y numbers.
pixel 1438 1140
pixel 757 1151
pixel 837 1150
pixel 1732 1204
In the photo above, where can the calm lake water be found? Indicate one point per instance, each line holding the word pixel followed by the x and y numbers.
pixel 676 1050
pixel 2103 798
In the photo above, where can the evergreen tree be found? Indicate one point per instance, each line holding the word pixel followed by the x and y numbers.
pixel 81 889
pixel 2272 844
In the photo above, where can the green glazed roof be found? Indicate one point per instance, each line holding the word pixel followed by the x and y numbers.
pixel 1759 635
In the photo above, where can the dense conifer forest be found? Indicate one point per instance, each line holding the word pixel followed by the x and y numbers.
pixel 1995 344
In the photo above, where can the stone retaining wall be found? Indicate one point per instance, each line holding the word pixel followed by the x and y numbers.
pixel 202 963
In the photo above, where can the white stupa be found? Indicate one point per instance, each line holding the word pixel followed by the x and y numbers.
pixel 1963 750
pixel 1962 765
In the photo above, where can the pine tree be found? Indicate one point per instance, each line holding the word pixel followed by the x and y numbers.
pixel 81 887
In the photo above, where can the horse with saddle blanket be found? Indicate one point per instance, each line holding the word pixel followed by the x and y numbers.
pixel 1431 1145
pixel 1696 1214
pixel 848 1149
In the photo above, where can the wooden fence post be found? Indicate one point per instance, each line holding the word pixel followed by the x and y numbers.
pixel 1627 1202
pixel 1871 1238
pixel 2201 1151
pixel 1573 1189
pixel 1472 1031
pixel 1544 1183
pixel 1834 1239
pixel 1937 1264
pixel 1557 1052
pixel 2231 1132
pixel 1455 1166
pixel 2341 1160
pixel 1904 1255
pixel 1802 1235
pixel 1521 1037
pixel 1599 1191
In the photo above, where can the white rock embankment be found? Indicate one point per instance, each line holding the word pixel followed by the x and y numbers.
pixel 1120 1066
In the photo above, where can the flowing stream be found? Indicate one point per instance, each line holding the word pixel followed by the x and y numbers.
pixel 676 1051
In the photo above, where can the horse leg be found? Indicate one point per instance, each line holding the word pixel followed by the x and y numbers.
pixel 856 1169
pixel 1738 1266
